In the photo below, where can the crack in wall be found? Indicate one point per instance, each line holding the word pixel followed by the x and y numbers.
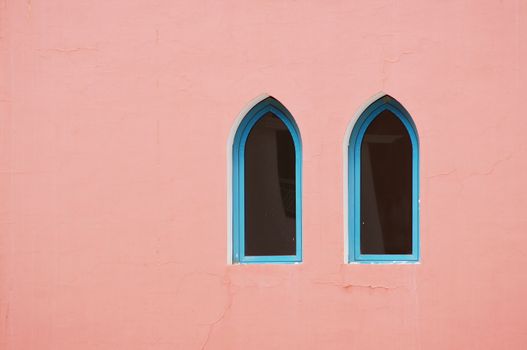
pixel 387 61
pixel 442 174
pixel 350 286
pixel 492 167
pixel 70 49
pixel 213 324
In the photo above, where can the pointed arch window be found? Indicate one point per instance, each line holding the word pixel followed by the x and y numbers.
pixel 267 208
pixel 383 184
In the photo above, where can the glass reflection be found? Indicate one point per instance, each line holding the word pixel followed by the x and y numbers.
pixel 270 189
pixel 386 187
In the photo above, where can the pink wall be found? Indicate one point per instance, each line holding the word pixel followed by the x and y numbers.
pixel 114 119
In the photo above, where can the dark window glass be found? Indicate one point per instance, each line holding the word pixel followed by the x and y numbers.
pixel 386 187
pixel 270 188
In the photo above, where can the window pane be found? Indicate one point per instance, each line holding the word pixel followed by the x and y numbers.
pixel 386 187
pixel 270 206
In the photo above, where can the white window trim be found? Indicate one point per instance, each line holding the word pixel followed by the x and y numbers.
pixel 230 142
pixel 345 145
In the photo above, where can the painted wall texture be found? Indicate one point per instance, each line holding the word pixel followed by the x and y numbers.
pixel 114 121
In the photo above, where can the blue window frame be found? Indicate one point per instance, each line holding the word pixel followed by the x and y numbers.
pixel 267 107
pixel 381 107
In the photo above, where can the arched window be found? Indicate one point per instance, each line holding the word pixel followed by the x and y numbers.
pixel 383 184
pixel 266 198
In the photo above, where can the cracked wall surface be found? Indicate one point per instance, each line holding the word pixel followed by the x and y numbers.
pixel 114 119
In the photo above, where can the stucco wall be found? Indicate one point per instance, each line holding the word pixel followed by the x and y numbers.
pixel 114 120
